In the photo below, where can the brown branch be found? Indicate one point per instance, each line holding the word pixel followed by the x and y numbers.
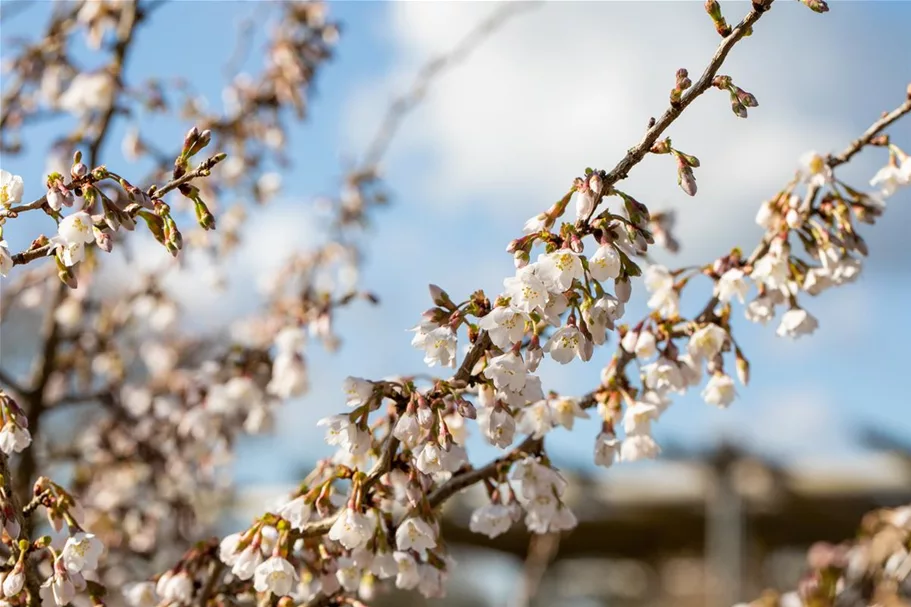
pixel 858 144
pixel 203 170
pixel 9 495
pixel 637 153
pixel 216 568
pixel 541 551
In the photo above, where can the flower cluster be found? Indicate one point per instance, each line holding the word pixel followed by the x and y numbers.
pixel 874 568
pixel 170 405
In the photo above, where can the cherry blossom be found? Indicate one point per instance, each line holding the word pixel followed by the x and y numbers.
pixel 275 575
pixel 11 189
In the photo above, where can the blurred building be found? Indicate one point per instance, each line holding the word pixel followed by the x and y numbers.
pixel 704 530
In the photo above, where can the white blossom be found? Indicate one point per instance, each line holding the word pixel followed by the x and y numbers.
pixel 88 92
pixel 497 426
pixel 384 565
pixel 559 269
pixel 585 204
pixel 606 449
pixel 565 410
pixel 348 574
pixel 814 170
pixel 664 375
pixel 732 284
pixel 11 189
pixel 666 302
pixel 176 588
pixel 507 372
pixel 408 576
pixel 658 278
pixel 760 310
pixel 491 520
pixel 565 344
pixel 604 264
pixel 765 217
pixel 719 390
pixel 297 512
pixel 796 322
pixel 707 342
pixel 638 418
pixel 14 438
pixel 526 289
pixel 227 548
pixel 637 447
pixel 431 583
pixel 772 268
pixel 893 176
pixel 275 575
pixel 407 429
pixel 556 306
pixel 76 228
pixel 14 581
pixel 415 534
pixel 504 325
pixel 640 343
pixel 429 460
pixel 563 519
pixel 247 561
pixel 341 431
pixel 536 419
pixel 6 260
pixel 141 594
pixel 81 552
pixel 351 529
pixel 541 221
pixel 601 316
pixel 357 391
pixel 439 344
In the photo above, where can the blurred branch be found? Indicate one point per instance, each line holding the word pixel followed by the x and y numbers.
pixel 400 108
pixel 867 138
pixel 541 552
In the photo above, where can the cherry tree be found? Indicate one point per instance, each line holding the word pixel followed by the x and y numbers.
pixel 145 465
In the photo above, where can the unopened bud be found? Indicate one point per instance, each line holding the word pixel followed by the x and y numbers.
pixel 466 409
pixel 623 289
pixel 721 82
pixel 203 216
pixel 520 259
pixel 743 369
pixel 685 178
pixel 79 171
pixel 439 296
pixel 103 240
pixel 202 141
pixel 746 98
pixel 817 6
pixel 189 141
pixel 595 183
pixel 66 275
pixel 738 108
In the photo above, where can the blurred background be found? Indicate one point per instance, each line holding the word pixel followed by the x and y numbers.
pixel 821 435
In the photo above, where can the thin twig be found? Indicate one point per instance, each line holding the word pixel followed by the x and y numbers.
pixel 400 108
pixel 858 144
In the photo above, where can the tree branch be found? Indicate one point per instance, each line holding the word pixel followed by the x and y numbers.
pixel 858 144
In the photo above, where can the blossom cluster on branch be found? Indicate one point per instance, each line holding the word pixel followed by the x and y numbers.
pixel 873 569
pixel 167 407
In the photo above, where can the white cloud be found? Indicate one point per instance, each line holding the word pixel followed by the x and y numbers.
pixel 570 85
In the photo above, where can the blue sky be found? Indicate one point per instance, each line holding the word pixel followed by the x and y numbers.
pixel 565 86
